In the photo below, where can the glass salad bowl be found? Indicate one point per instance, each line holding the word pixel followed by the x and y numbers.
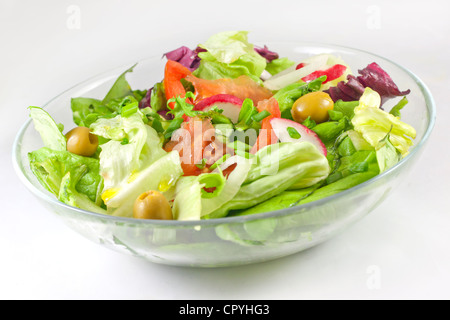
pixel 236 240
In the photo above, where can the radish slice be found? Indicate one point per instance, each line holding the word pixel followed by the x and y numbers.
pixel 230 105
pixel 291 131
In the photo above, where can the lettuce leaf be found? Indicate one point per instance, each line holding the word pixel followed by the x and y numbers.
pixel 48 129
pixel 189 192
pixel 51 166
pixel 354 169
pixel 69 195
pixel 86 111
pixel 276 168
pixel 229 55
pixel 132 146
pixel 387 154
pixel 161 175
pixel 188 199
pixel 374 124
pixel 231 187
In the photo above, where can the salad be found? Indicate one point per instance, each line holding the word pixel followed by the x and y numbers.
pixel 230 129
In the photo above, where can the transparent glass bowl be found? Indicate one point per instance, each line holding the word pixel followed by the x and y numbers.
pixel 235 240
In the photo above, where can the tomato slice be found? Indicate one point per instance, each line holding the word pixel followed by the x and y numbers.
pixel 242 87
pixel 266 135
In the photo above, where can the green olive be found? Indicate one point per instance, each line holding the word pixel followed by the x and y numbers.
pixel 314 105
pixel 81 141
pixel 152 205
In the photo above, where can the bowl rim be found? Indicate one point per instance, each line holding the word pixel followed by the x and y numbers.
pixel 430 105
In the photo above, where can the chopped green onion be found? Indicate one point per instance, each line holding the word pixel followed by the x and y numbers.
pixel 395 111
pixel 212 180
pixel 247 110
pixel 260 116
pixel 309 123
pixel 293 133
pixel 129 109
pixel 202 165
pixel 335 115
pixel 218 118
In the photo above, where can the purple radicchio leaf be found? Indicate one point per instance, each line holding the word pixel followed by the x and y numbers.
pixel 185 56
pixel 266 53
pixel 372 76
pixel 164 113
pixel 145 101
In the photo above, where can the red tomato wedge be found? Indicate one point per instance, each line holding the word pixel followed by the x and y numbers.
pixel 266 135
pixel 332 73
pixel 173 73
pixel 195 142
pixel 242 87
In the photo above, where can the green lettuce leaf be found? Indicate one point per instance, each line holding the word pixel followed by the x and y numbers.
pixel 276 168
pixel 387 154
pixel 51 166
pixel 48 129
pixel 231 187
pixel 131 146
pixel 189 192
pixel 188 199
pixel 86 111
pixel 374 124
pixel 161 175
pixel 229 55
pixel 121 88
pixel 319 191
pixel 69 195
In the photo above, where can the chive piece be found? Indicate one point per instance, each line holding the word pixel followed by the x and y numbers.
pixel 202 165
pixel 260 116
pixel 129 109
pixel 293 133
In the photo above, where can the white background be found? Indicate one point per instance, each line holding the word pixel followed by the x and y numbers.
pixel 403 244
